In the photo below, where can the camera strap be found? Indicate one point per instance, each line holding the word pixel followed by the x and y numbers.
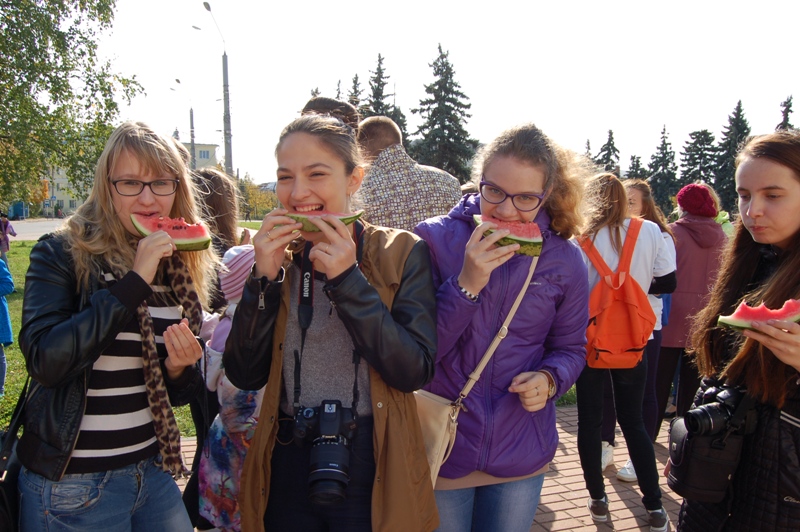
pixel 738 422
pixel 305 314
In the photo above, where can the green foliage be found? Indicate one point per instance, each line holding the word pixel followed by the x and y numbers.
pixel 663 173
pixel 315 92
pixel 636 170
pixel 339 90
pixel 445 142
pixel 354 94
pixel 258 201
pixel 698 158
pixel 57 98
pixel 588 152
pixel 737 130
pixel 786 110
pixel 376 100
pixel 608 157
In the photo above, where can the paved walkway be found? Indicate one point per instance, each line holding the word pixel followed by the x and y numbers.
pixel 563 504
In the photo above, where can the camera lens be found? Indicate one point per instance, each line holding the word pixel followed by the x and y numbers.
pixel 328 471
pixel 706 419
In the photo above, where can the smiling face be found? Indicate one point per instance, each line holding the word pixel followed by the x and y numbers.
pixel 769 200
pixel 513 177
pixel 311 178
pixel 635 202
pixel 127 166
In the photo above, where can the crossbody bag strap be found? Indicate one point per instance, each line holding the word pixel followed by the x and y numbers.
pixel 13 429
pixel 502 333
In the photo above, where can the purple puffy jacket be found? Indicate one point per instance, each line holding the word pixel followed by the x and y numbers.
pixel 495 434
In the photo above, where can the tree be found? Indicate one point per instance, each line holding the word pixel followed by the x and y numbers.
pixel 57 97
pixel 376 100
pixel 636 170
pixel 698 158
pixel 339 90
pixel 256 199
pixel 400 119
pixel 354 95
pixel 663 173
pixel 737 130
pixel 588 153
pixel 315 92
pixel 608 157
pixel 786 110
pixel 445 142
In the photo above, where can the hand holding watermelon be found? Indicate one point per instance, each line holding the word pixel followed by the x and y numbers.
pixel 336 255
pixel 276 232
pixel 149 252
pixel 482 256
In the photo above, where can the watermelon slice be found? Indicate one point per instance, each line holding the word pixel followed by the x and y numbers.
pixel 186 237
pixel 526 234
pixel 346 217
pixel 744 315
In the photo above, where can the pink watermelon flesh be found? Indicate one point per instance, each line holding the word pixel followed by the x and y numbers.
pixel 186 237
pixel 744 315
pixel 346 217
pixel 526 234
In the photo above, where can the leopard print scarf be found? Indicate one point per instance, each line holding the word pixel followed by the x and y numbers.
pixel 164 424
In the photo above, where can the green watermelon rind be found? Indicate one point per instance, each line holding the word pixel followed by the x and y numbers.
pixel 181 244
pixel 309 227
pixel 740 324
pixel 527 246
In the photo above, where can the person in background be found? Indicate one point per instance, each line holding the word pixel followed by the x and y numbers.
pixel 6 333
pixel 397 192
pixel 344 111
pixel 641 204
pixel 761 263
pixel 654 270
pixel 699 244
pixel 362 333
pixel 507 433
pixel 109 325
pixel 229 437
pixel 5 229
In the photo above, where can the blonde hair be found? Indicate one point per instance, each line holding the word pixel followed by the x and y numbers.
pixel 565 172
pixel 606 206
pixel 95 236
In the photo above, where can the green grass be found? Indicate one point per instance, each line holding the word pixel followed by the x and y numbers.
pixel 251 225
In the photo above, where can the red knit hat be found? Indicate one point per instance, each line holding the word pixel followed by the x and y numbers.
pixel 696 199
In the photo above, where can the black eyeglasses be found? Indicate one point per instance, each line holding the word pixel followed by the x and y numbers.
pixel 526 201
pixel 133 187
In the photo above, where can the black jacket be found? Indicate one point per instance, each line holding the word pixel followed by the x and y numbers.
pixel 63 333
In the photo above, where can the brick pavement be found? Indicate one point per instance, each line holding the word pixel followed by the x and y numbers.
pixel 563 503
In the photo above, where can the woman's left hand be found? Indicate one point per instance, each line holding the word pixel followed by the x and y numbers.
pixel 532 387
pixel 780 337
pixel 337 254
pixel 183 349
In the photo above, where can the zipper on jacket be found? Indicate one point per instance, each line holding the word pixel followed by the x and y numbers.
pixel 75 440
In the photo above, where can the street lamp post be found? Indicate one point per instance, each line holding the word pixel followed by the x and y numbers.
pixel 191 131
pixel 226 116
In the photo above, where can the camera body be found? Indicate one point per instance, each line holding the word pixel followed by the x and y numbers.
pixel 330 428
pixel 714 415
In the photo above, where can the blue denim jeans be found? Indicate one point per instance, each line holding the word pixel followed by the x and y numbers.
pixel 629 387
pixel 139 497
pixel 510 507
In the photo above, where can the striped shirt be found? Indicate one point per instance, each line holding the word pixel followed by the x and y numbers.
pixel 117 426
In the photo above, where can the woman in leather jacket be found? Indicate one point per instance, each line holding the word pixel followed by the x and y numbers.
pixel 341 320
pixel 108 333
pixel 761 263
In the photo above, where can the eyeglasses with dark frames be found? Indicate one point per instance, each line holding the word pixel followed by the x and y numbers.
pixel 134 187
pixel 526 201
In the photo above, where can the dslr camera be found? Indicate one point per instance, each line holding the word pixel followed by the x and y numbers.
pixel 329 428
pixel 716 411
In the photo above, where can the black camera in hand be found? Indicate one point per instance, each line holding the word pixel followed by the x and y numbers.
pixel 716 412
pixel 330 428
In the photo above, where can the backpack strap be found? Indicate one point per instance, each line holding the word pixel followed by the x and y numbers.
pixel 625 257
pixel 627 247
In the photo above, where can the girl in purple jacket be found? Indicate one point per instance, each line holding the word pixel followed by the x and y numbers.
pixel 507 432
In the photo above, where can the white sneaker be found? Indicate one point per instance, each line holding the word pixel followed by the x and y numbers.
pixel 607 458
pixel 627 473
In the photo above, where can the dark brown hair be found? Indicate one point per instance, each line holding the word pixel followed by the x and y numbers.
pixel 220 202
pixel 752 365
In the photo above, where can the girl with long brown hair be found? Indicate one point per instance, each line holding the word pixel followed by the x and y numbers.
pixel 761 263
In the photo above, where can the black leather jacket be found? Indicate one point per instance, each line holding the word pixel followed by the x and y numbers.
pixel 63 333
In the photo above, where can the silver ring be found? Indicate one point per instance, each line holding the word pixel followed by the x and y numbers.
pixel 268 235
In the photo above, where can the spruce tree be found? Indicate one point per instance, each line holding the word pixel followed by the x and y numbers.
pixel 636 170
pixel 339 90
pixel 588 152
pixel 663 173
pixel 400 119
pixel 315 92
pixel 445 142
pixel 376 104
pixel 608 157
pixel 737 130
pixel 698 158
pixel 354 95
pixel 786 110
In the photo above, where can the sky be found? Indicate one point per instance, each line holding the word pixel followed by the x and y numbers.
pixel 574 68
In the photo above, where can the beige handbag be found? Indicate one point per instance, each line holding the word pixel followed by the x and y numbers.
pixel 438 417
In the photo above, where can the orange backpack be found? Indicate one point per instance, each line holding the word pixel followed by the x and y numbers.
pixel 620 316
